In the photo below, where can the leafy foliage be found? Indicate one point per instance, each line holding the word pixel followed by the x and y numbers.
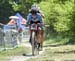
pixel 59 14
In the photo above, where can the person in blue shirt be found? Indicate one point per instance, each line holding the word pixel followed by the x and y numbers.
pixel 34 15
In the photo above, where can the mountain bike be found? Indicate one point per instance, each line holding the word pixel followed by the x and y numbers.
pixel 35 44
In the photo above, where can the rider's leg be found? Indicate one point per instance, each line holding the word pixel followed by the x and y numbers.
pixel 41 38
pixel 30 37
pixel 38 39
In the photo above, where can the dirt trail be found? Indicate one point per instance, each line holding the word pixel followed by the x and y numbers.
pixel 58 53
pixel 27 56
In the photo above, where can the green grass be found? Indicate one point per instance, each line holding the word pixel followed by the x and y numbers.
pixel 57 41
pixel 14 52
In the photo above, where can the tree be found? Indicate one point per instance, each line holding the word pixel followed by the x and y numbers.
pixel 5 11
pixel 57 14
pixel 60 15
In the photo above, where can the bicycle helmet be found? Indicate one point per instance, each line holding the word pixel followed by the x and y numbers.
pixel 33 10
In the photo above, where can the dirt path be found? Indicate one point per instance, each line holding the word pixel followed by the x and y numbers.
pixel 52 52
pixel 57 53
pixel 23 58
pixel 27 56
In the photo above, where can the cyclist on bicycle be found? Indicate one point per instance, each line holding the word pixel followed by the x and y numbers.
pixel 34 14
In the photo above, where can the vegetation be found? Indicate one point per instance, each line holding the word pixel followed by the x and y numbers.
pixel 59 14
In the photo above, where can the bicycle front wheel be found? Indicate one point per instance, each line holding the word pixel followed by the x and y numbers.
pixel 33 43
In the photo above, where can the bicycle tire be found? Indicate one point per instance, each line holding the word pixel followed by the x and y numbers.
pixel 33 41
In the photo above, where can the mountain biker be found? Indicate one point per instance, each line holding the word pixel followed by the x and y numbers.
pixel 34 14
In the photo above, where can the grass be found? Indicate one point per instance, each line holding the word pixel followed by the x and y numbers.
pixel 57 41
pixel 14 52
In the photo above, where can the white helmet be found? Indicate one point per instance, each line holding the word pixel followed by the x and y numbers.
pixel 34 6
